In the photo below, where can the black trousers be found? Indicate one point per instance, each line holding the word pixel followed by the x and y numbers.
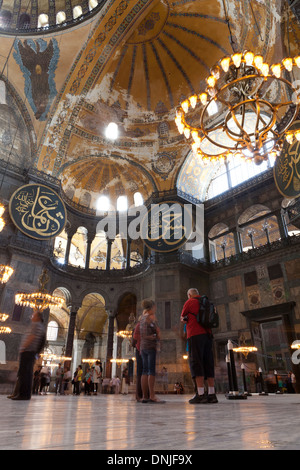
pixel 201 359
pixel 25 374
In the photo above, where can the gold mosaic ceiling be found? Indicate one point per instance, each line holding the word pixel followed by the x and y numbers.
pixel 132 64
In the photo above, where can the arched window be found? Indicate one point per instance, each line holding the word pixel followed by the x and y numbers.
pixel 206 181
pixel 61 17
pixel 122 204
pixel 78 248
pixel 233 173
pixel 138 199
pixel 103 204
pixel 85 199
pixel 52 331
pixel 93 4
pixel 24 21
pixel 77 12
pixel 5 18
pixel 43 21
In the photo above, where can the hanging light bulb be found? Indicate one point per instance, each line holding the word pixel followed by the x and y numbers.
pixel 193 101
pixel 289 138
pixel 215 71
pixel 297 61
pixel 185 106
pixel 211 80
pixel 225 64
pixel 187 132
pixel 288 64
pixel 258 61
pixel 265 69
pixel 276 70
pixel 203 98
pixel 236 59
pixel 249 56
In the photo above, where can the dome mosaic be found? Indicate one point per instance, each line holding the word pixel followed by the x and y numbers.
pixel 27 17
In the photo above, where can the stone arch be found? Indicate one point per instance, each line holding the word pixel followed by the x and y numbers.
pixel 92 326
pixel 221 243
pixel 253 212
pixel 127 305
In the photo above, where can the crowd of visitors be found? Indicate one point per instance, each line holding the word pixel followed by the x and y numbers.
pixel 145 339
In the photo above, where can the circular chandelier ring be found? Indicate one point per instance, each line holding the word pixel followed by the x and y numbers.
pixel 246 76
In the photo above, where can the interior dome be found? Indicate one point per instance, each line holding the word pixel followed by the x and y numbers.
pixel 85 181
pixel 28 16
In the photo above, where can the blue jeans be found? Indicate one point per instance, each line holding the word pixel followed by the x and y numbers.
pixel 149 360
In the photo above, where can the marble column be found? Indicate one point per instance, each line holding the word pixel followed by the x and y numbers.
pixel 108 253
pixel 281 225
pixel 71 332
pixel 70 236
pixel 90 239
pixel 110 346
pixel 237 241
pixel 128 253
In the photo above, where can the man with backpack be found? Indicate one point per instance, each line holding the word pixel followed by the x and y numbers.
pixel 196 310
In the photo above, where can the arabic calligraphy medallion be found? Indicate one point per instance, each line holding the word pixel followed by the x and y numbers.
pixel 167 226
pixel 287 168
pixel 37 211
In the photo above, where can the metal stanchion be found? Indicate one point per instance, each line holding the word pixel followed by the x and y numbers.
pixel 244 381
pixel 262 383
pixel 277 385
pixel 229 372
pixel 233 394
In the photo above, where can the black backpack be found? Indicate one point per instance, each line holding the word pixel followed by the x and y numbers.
pixel 207 316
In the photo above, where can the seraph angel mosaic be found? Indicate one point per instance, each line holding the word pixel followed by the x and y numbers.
pixel 38 61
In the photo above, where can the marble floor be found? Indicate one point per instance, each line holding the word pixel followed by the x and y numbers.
pixel 117 422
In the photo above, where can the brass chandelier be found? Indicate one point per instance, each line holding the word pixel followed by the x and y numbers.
pixel 2 222
pixel 40 300
pixel 5 273
pixel 246 110
pixel 4 329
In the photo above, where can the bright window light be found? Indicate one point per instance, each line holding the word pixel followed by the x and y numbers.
pixel 43 21
pixel 77 12
pixel 103 204
pixel 61 17
pixel 122 204
pixel 52 331
pixel 93 4
pixel 138 199
pixel 112 131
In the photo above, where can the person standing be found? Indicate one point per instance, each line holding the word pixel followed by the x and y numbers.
pixel 150 336
pixel 66 379
pixel 78 380
pixel 30 347
pixel 136 343
pixel 45 379
pixel 36 380
pixel 96 377
pixel 59 374
pixel 200 348
pixel 125 382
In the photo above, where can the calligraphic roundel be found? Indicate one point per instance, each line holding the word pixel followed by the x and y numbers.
pixel 37 211
pixel 287 168
pixel 167 226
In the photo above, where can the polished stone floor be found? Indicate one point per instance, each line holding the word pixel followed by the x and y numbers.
pixel 117 422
